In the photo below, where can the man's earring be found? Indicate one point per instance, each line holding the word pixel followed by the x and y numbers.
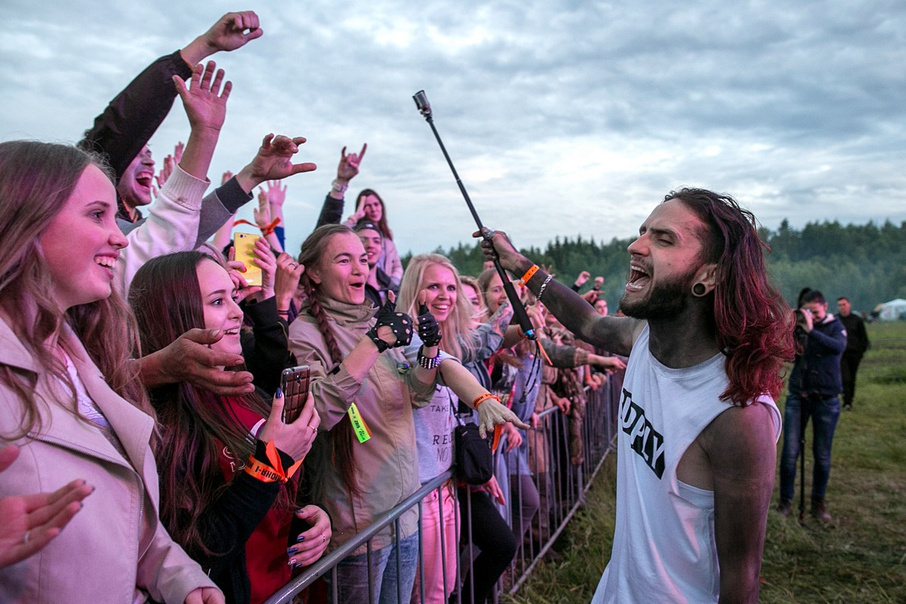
pixel 699 290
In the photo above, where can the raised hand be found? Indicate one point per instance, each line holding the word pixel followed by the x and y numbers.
pixel 231 31
pixel 203 100
pixel 496 244
pixel 273 162
pixel 428 329
pixel 276 193
pixel 268 263
pixel 263 211
pixel 349 164
pixel 392 329
pixel 169 163
pixel 235 268
pixel 583 277
pixel 289 273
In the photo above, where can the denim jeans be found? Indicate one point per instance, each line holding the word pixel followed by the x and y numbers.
pixel 824 413
pixel 387 586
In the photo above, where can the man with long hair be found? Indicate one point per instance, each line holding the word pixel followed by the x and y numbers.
pixel 707 336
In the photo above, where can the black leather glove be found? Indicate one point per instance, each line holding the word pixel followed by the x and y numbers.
pixel 399 323
pixel 428 329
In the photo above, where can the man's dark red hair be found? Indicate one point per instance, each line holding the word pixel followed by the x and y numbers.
pixel 754 324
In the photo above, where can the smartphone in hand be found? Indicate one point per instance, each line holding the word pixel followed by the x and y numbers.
pixel 294 384
pixel 245 253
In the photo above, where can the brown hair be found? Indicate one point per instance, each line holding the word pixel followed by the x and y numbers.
pixel 194 423
pixel 342 453
pixel 36 180
pixel 382 223
pixel 754 325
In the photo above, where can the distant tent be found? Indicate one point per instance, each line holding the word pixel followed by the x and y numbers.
pixel 890 311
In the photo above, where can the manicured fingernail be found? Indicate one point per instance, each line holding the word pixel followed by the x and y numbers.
pixel 279 393
pixel 290 551
pixel 300 539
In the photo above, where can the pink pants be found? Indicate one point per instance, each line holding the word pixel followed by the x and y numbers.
pixel 435 557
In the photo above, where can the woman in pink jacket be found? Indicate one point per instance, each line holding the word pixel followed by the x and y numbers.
pixel 69 397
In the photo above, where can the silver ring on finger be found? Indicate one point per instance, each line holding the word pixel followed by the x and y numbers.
pixel 25 537
pixel 323 538
pixel 313 429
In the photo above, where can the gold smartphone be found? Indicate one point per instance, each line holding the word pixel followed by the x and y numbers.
pixel 245 253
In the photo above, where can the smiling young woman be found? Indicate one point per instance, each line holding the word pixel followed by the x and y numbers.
pixel 211 506
pixel 364 460
pixel 69 398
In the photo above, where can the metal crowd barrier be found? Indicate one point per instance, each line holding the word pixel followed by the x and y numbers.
pixel 561 486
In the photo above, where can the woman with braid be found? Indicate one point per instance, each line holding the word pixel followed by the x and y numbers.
pixel 364 459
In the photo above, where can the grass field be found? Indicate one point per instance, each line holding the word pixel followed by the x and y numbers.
pixel 859 557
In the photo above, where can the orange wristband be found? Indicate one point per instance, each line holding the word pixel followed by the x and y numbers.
pixel 262 472
pixel 273 472
pixel 482 398
pixel 529 274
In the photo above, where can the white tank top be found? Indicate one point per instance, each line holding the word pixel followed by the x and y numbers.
pixel 663 546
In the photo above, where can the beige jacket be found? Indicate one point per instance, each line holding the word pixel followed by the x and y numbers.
pixel 114 549
pixel 387 464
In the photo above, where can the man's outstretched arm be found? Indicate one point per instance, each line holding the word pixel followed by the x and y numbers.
pixel 613 333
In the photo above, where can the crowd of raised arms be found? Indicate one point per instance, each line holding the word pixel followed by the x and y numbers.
pixel 144 450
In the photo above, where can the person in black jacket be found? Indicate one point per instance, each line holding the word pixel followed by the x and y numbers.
pixel 814 390
pixel 856 344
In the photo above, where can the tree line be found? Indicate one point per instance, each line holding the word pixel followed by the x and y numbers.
pixel 866 263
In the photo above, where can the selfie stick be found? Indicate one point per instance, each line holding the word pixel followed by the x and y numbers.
pixel 525 324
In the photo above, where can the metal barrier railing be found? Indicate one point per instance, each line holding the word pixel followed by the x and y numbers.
pixel 561 488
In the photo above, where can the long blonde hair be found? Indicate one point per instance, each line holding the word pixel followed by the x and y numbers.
pixel 456 330
pixel 36 180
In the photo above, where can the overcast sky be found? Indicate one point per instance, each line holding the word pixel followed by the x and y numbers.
pixel 562 118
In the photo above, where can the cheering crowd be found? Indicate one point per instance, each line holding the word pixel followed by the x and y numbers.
pixel 145 451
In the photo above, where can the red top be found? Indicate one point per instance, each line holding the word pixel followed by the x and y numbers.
pixel 265 551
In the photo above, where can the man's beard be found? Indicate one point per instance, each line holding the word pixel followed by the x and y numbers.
pixel 666 301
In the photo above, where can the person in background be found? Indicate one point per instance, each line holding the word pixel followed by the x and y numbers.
pixel 814 392
pixel 379 282
pixel 121 132
pixel 857 343
pixel 370 206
